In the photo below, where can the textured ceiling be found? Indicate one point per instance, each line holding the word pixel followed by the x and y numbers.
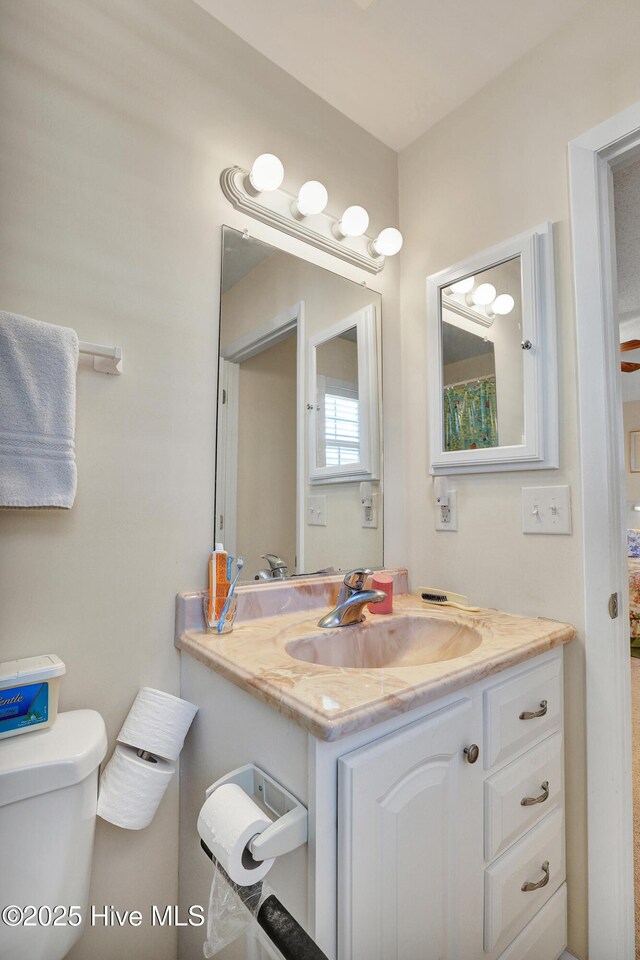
pixel 395 67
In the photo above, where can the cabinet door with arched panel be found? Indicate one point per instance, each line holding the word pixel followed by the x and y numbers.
pixel 410 846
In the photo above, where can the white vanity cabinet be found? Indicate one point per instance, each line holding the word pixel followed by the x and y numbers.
pixel 417 850
pixel 438 857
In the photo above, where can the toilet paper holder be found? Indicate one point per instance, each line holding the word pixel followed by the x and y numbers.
pixel 289 829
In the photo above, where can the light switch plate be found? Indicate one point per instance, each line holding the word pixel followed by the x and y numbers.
pixel 317 511
pixel 546 510
pixel 369 515
pixel 447 517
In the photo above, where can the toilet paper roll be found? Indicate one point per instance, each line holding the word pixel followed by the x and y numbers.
pixel 157 722
pixel 131 788
pixel 227 822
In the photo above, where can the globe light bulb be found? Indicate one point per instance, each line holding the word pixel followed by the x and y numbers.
pixel 387 243
pixel 267 173
pixel 354 222
pixel 484 294
pixel 463 286
pixel 312 198
pixel 503 305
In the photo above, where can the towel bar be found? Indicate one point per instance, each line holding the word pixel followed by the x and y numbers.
pixel 105 359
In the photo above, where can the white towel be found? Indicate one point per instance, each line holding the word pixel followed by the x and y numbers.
pixel 38 364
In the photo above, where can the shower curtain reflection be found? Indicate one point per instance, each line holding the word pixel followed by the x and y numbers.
pixel 470 414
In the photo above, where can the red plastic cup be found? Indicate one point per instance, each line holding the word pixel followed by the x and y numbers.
pixel 382 581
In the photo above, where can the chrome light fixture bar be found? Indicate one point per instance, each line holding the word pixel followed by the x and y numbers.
pixel 258 194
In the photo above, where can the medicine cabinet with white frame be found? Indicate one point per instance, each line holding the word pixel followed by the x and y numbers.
pixel 492 362
pixel 343 400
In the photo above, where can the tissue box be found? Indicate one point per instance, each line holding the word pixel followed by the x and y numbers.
pixel 29 694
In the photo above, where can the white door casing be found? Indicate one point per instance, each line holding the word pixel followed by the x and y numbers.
pixel 608 711
pixel 278 328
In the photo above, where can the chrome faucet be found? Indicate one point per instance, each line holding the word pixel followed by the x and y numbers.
pixel 351 600
pixel 278 569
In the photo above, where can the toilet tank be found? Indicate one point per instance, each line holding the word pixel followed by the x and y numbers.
pixel 48 793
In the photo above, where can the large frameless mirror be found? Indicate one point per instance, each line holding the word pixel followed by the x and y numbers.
pixel 492 363
pixel 299 414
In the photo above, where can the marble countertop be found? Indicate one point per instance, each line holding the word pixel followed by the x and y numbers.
pixel 333 701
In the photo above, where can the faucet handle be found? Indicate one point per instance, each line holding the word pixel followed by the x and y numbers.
pixel 275 563
pixel 356 579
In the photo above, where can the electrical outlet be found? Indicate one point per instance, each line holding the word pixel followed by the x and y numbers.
pixel 447 517
pixel 317 511
pixel 369 514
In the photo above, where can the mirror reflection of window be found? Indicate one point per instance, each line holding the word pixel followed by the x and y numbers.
pixel 337 401
pixel 481 330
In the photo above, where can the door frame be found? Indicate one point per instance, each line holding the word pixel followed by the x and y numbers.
pixel 592 157
pixel 273 331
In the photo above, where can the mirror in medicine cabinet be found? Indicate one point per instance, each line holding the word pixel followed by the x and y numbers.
pixel 344 400
pixel 299 412
pixel 492 359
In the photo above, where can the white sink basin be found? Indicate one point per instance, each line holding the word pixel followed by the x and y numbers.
pixel 405 641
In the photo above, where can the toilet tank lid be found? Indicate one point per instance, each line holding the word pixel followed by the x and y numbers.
pixel 40 761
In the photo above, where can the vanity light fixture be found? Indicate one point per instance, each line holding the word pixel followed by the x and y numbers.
pixel 312 199
pixel 485 295
pixel 459 306
pixel 353 223
pixel 501 306
pixel 267 173
pixel 388 242
pixel 463 286
pixel 482 295
pixel 258 193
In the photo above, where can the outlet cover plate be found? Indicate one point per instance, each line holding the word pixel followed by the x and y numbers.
pixel 447 517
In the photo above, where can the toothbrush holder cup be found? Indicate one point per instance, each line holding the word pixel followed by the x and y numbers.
pixel 211 625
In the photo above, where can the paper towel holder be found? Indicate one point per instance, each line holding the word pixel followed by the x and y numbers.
pixel 289 829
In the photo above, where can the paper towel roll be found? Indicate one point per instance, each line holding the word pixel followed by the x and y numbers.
pixel 227 822
pixel 131 788
pixel 157 722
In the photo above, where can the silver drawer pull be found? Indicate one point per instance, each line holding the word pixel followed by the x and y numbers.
pixel 541 883
pixel 529 801
pixel 528 715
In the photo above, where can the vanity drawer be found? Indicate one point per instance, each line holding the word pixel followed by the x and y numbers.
pixel 545 937
pixel 536 859
pixel 537 774
pixel 521 711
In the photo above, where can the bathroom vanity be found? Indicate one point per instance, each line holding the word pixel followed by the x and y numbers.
pixel 428 749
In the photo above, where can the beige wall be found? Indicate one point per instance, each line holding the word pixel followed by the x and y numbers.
pixel 117 117
pixel 491 169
